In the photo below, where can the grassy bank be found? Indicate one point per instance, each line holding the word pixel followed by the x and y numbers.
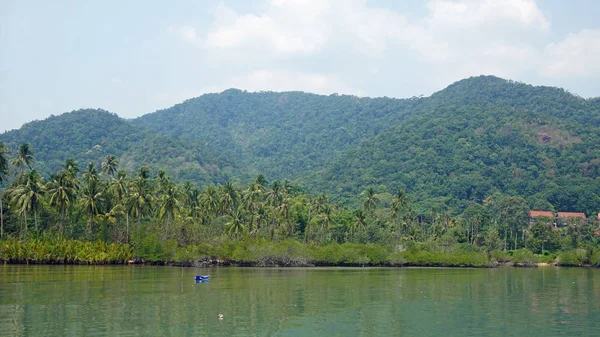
pixel 268 253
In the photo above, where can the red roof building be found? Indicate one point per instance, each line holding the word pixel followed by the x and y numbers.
pixel 535 214
pixel 571 215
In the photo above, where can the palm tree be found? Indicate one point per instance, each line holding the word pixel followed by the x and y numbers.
pixel 326 219
pixel 71 166
pixel 118 188
pixel 162 180
pixel 210 200
pixel 90 173
pixel 140 201
pixel 28 195
pixel 360 220
pixel 235 224
pixel 274 198
pixel 4 172
pixel 229 197
pixel 400 205
pixel 110 165
pixel 24 158
pixel 371 200
pixel 62 189
pixel 169 205
pixel 91 200
pixel 251 199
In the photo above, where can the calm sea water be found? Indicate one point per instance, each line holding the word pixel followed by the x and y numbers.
pixel 165 301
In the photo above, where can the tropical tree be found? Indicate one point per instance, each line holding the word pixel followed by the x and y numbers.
pixel 235 223
pixel 400 207
pixel 28 196
pixel 359 221
pixel 141 200
pixel 4 172
pixel 229 198
pixel 209 200
pixel 274 196
pixel 110 165
pixel 62 190
pixel 24 158
pixel 371 200
pixel 119 189
pixel 71 166
pixel 169 205
pixel 91 200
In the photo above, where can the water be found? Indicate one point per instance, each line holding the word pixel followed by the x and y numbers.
pixel 165 301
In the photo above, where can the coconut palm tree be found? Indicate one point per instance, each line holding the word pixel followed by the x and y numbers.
pixel 118 188
pixel 91 200
pixel 371 200
pixel 24 158
pixel 209 201
pixel 359 222
pixel 90 174
pixel 71 166
pixel 28 195
pixel 140 201
pixel 4 172
pixel 235 223
pixel 110 165
pixel 62 190
pixel 229 197
pixel 274 196
pixel 400 206
pixel 169 205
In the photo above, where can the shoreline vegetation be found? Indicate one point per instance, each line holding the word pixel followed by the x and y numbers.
pixel 111 216
pixel 264 253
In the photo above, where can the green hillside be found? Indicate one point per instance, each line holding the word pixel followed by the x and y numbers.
pixel 90 135
pixel 477 137
pixel 279 135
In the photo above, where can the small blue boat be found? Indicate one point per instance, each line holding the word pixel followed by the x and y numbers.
pixel 202 277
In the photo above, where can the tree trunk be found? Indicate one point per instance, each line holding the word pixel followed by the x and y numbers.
pixel 35 218
pixel 25 217
pixel 127 227
pixel 167 227
pixel 505 241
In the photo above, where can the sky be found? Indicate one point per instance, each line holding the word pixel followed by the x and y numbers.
pixel 135 57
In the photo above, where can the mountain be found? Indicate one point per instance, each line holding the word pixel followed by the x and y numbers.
pixel 478 136
pixel 90 135
pixel 278 134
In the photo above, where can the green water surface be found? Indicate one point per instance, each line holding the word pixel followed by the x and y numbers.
pixel 165 301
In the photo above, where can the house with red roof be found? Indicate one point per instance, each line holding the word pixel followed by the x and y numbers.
pixel 565 218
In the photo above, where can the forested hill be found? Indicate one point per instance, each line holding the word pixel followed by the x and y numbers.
pixel 90 135
pixel 478 136
pixel 280 135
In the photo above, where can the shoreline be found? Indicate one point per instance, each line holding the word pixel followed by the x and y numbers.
pixel 209 263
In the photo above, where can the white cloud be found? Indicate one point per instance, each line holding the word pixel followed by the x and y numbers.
pixel 576 56
pixel 293 41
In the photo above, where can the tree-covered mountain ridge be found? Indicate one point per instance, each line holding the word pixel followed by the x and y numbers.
pixel 479 136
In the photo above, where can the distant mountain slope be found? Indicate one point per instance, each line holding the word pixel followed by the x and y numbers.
pixel 479 136
pixel 278 134
pixel 89 135
pixel 476 137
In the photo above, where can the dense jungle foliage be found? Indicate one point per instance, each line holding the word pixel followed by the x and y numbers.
pixel 104 214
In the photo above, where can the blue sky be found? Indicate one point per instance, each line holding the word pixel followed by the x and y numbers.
pixel 134 57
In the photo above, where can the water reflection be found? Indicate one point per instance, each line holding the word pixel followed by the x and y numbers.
pixel 164 301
